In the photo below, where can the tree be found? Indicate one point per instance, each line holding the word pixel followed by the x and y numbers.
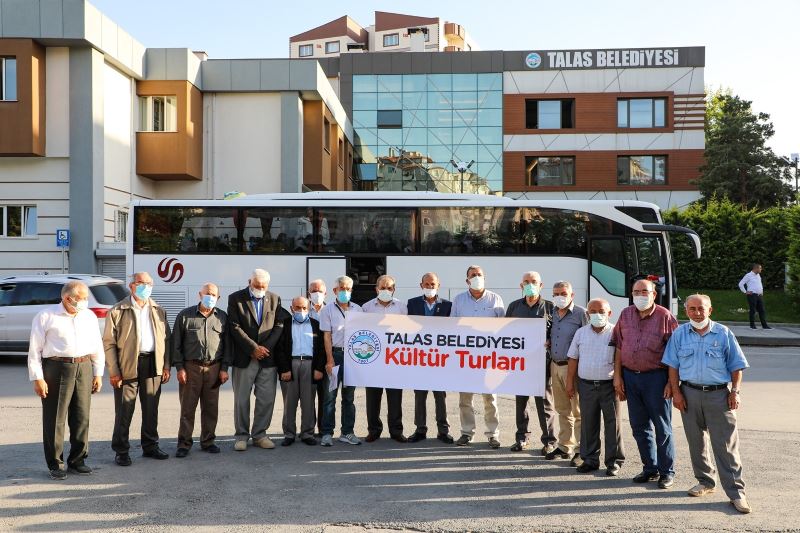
pixel 739 165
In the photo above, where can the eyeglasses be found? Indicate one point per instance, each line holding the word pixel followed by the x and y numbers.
pixel 149 284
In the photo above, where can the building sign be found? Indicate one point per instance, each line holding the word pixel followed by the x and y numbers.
pixel 616 58
pixel 482 355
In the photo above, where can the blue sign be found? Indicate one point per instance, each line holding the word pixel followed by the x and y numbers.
pixel 533 60
pixel 62 238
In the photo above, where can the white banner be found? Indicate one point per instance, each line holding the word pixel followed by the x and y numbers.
pixel 482 355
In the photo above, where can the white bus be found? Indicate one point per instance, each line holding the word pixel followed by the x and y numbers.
pixel 598 246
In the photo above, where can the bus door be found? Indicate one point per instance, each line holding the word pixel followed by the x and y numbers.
pixel 646 260
pixel 326 268
pixel 365 270
pixel 608 272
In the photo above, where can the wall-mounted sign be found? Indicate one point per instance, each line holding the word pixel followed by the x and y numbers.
pixel 616 58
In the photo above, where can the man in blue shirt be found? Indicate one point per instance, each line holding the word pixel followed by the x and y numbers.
pixel 703 357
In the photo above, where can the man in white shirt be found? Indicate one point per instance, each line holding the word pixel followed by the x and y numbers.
pixel 477 301
pixel 385 303
pixel 65 364
pixel 751 285
pixel 591 360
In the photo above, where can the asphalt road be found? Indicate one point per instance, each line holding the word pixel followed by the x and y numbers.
pixel 426 486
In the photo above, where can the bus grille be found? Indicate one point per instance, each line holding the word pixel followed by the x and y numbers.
pixel 173 301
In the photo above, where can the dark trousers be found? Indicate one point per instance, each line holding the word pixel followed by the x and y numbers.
pixel 394 407
pixel 756 304
pixel 596 399
pixel 651 419
pixel 147 386
pixel 545 412
pixel 199 387
pixel 348 407
pixel 321 391
pixel 69 396
pixel 421 411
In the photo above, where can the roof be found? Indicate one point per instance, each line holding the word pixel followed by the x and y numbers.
pixel 392 21
pixel 343 26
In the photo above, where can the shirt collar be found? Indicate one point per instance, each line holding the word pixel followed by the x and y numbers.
pixel 135 305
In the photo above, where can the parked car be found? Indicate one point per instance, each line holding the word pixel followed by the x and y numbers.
pixel 21 297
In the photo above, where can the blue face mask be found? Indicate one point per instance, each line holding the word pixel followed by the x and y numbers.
pixel 529 289
pixel 143 292
pixel 300 316
pixel 343 297
pixel 209 301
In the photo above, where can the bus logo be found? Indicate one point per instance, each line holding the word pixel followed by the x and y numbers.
pixel 363 347
pixel 170 270
pixel 533 60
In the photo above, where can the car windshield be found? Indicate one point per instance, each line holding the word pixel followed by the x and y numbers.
pixel 109 293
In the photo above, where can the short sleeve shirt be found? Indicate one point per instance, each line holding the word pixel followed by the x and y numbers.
pixel 331 318
pixel 704 359
pixel 490 304
pixel 563 329
pixel 641 341
pixel 595 357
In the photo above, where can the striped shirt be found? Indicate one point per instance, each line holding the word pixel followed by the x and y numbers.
pixel 641 341
pixel 595 357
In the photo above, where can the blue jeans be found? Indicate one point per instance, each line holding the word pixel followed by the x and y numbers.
pixel 651 414
pixel 329 407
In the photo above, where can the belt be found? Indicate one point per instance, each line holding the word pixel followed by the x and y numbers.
pixel 337 349
pixel 303 357
pixel 644 371
pixel 198 362
pixel 146 354
pixel 705 388
pixel 596 381
pixel 561 363
pixel 75 360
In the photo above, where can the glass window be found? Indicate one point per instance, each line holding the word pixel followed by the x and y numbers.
pixel 365 83
pixel 493 99
pixel 365 101
pixel 465 99
pixel 490 117
pixel 390 118
pixel 440 154
pixel 465 136
pixel 415 136
pixel 465 82
pixel 490 153
pixel 415 100
pixel 440 136
pixel 7 294
pixel 415 118
pixel 549 114
pixel 306 50
pixel 390 136
pixel 332 47
pixel 549 171
pixel 326 135
pixel 8 78
pixel 37 294
pixel 378 230
pixel 622 113
pixel 390 82
pixel 387 100
pixel 109 293
pixel 440 82
pixel 490 135
pixel 439 118
pixel 466 153
pixel 158 113
pixel 642 170
pixel 465 118
pixel 13 221
pixel 365 119
pixel 608 265
pixel 440 100
pixel 490 82
pixel 415 82
pixel 282 230
pixel 641 113
pixel 659 113
pixel 186 230
pixel 391 39
pixel 121 226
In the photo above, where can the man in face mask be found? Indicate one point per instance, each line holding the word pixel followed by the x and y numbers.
pixel 65 364
pixel 591 360
pixel 316 301
pixel 430 303
pixel 385 303
pixel 301 363
pixel 201 350
pixel 710 358
pixel 137 344
pixel 639 339
pixel 532 305
pixel 477 301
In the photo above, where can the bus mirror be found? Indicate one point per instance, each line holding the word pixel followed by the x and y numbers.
pixel 671 228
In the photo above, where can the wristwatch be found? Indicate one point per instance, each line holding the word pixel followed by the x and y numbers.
pixel 735 391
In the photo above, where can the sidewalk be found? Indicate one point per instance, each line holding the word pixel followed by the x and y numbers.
pixel 780 335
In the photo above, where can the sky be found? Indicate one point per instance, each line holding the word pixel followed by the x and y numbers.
pixel 753 48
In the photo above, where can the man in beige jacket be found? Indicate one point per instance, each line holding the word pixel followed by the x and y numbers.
pixel 136 342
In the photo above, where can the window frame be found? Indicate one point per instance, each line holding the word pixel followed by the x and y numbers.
pixel 654 166
pixel 627 123
pixel 392 35
pixel 338 47
pixel 3 88
pixel 531 178
pixel 566 113
pixel 24 227
pixel 146 114
pixel 326 134
pixel 121 225
pixel 301 47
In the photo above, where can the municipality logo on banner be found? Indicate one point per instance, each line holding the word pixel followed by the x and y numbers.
pixel 364 347
pixel 533 60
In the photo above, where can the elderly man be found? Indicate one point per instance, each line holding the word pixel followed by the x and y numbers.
pixel 385 303
pixel 201 355
pixel 136 341
pixel 639 338
pixel 476 301
pixel 430 304
pixel 591 361
pixel 567 319
pixel 302 363
pixel 531 305
pixel 316 301
pixel 256 322
pixel 703 357
pixel 331 323
pixel 65 364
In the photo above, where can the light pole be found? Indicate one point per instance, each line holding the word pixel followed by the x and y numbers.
pixel 462 167
pixel 795 156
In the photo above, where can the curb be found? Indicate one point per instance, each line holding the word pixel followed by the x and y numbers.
pixel 768 341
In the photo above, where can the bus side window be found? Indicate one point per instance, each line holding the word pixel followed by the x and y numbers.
pixel 608 265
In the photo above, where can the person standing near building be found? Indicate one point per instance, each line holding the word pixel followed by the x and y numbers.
pixel 477 301
pixel 752 286
pixel 201 354
pixel 316 301
pixel 703 357
pixel 331 323
pixel 256 321
pixel 137 345
pixel 430 304
pixel 65 364
pixel 532 305
pixel 639 338
pixel 591 361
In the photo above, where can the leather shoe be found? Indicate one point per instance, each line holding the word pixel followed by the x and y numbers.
pixel 741 505
pixel 399 438
pixel 463 440
pixel 666 481
pixel 585 468
pixel 372 437
pixel 416 437
pixel 445 437
pixel 287 441
pixel 311 441
pixel 181 452
pixel 58 474
pixel 213 448
pixel 613 470
pixel 80 468
pixel 556 454
pixel 519 446
pixel 644 477
pixel 156 453
pixel 123 459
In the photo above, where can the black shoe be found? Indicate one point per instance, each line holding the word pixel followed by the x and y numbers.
pixel 494 443
pixel 463 440
pixel 519 446
pixel 123 459
pixel 666 481
pixel 311 441
pixel 445 437
pixel 644 477
pixel 417 436
pixel 753 327
pixel 585 468
pixel 372 437
pixel 156 453
pixel 766 327
pixel 80 468
pixel 181 452
pixel 399 438
pixel 613 470
pixel 287 441
pixel 58 474
pixel 213 448
pixel 556 454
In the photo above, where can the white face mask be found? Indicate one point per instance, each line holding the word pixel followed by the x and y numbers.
pixel 385 296
pixel 316 298
pixel 476 283
pixel 642 302
pixel 258 293
pixel 700 325
pixel 81 305
pixel 562 302
pixel 429 293
pixel 598 320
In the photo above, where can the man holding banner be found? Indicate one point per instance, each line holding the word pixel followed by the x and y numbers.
pixel 478 302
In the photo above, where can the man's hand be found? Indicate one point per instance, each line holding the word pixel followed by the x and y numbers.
pixel 223 376
pixel 116 381
pixel 182 376
pixel 40 388
pixel 667 391
pixel 286 376
pixel 733 401
pixel 317 375
pixel 329 367
pixel 570 390
pixel 259 353
pixel 165 376
pixel 619 388
pixel 679 401
pixel 749 293
pixel 97 384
